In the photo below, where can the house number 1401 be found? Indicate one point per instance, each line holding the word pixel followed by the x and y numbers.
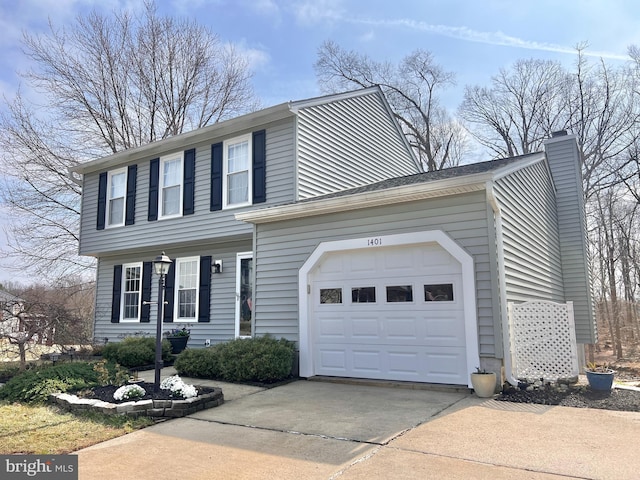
pixel 374 242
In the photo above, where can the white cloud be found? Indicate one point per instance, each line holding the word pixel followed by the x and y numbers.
pixel 367 37
pixel 258 57
pixel 309 12
pixel 264 7
pixel 489 38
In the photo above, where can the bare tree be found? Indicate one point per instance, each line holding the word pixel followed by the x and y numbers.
pixel 32 319
pixel 529 101
pixel 523 105
pixel 412 88
pixel 107 84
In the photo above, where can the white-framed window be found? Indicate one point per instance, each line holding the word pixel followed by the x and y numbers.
pixel 131 292
pixel 116 197
pixel 171 181
pixel 186 289
pixel 237 183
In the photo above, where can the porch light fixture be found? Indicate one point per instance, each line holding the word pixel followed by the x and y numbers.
pixel 161 266
pixel 217 266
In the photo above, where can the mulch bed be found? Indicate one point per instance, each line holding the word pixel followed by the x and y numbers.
pixel 581 397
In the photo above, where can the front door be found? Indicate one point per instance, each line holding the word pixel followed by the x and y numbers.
pixel 244 294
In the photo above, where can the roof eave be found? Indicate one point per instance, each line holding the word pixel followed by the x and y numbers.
pixel 402 194
pixel 177 142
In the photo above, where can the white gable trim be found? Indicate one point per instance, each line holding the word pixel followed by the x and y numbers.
pixel 438 236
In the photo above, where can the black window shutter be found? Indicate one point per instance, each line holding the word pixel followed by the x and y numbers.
pixel 116 293
pixel 145 314
pixel 169 282
pixel 102 201
pixel 204 291
pixel 188 193
pixel 216 177
pixel 259 167
pixel 154 183
pixel 132 175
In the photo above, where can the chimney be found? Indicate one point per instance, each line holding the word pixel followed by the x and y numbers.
pixel 565 164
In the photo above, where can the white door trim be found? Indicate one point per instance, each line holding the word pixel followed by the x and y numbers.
pixel 403 239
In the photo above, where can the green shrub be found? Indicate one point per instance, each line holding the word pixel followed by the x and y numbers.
pixel 135 351
pixel 260 359
pixel 34 386
pixel 199 363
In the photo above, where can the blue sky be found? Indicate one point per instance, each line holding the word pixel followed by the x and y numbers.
pixel 471 38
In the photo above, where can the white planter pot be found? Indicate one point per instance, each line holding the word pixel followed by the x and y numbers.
pixel 484 384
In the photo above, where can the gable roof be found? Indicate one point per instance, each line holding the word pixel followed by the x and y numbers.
pixel 449 181
pixel 226 128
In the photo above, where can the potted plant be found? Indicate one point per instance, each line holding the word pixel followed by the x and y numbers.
pixel 484 383
pixel 600 377
pixel 178 338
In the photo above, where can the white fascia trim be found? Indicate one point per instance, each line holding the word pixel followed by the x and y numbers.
pixel 509 169
pixel 211 133
pixel 312 102
pixel 438 236
pixel 403 194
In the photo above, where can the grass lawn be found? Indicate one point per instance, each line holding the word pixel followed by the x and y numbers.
pixel 42 430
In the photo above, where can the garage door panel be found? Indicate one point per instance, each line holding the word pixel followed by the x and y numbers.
pixel 402 328
pixel 331 327
pixel 364 329
pixel 366 361
pixel 333 361
pixel 444 331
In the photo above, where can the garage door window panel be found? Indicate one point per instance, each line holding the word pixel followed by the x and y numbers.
pixel 439 293
pixel 363 295
pixel 399 293
pixel 330 295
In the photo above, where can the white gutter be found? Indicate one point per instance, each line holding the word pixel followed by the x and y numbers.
pixel 502 287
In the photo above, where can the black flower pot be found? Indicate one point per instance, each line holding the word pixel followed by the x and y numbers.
pixel 178 344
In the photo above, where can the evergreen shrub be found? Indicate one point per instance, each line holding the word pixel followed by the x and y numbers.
pixel 34 386
pixel 259 359
pixel 135 351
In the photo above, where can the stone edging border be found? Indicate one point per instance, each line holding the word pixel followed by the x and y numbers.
pixel 149 408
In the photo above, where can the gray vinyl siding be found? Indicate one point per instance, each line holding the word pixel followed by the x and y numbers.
pixel 283 247
pixel 222 314
pixel 348 143
pixel 203 225
pixel 532 260
pixel 564 162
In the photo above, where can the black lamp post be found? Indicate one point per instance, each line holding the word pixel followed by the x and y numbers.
pixel 161 266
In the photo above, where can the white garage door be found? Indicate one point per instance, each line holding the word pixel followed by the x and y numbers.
pixel 391 313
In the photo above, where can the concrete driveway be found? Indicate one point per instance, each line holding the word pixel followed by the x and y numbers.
pixel 322 430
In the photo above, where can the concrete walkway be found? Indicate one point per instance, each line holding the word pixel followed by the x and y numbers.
pixel 318 430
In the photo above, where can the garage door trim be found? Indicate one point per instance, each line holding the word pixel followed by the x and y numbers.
pixel 385 241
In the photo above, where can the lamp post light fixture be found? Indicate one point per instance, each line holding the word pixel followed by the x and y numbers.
pixel 161 266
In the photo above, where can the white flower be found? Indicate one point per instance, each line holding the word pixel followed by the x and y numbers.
pixel 178 387
pixel 127 392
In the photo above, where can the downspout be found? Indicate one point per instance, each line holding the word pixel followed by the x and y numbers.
pixel 502 286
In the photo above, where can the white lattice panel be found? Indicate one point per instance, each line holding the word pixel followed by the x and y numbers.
pixel 543 340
